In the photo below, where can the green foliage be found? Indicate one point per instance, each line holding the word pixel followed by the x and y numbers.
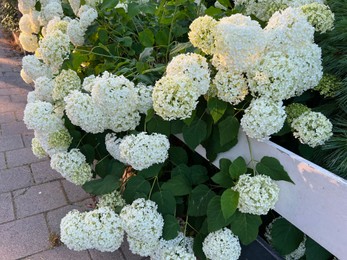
pixel 272 167
pixel 215 217
pixel 9 15
pixel 315 252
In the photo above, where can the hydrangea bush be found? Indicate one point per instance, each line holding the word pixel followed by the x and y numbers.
pixel 115 81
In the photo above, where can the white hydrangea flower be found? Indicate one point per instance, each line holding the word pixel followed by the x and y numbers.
pixel 28 24
pixel 39 116
pixel 312 128
pixel 319 16
pixel 142 221
pixel 112 146
pixel 111 200
pixel 231 86
pixel 278 76
pixel 88 83
pixel 75 5
pixel 117 98
pixel 31 97
pixel 25 77
pixel 37 149
pixel 49 11
pixel 193 66
pixel 297 253
pixel 180 247
pixel 239 42
pixel 222 245
pixel 287 30
pixel 175 97
pixel 76 33
pixel 33 68
pixel 87 16
pixel 258 194
pixel 54 142
pixel 263 118
pixel 201 33
pixel 46 2
pixel 66 82
pixel 28 41
pixel 72 166
pixel 141 247
pixel 142 150
pixel 43 89
pixel 54 49
pixel 99 229
pixel 83 112
pixel 93 3
pixel 56 24
pixel 26 6
pixel 144 97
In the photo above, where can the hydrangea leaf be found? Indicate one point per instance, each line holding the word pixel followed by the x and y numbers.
pixel 158 125
pixel 215 216
pixel 285 236
pixel 108 4
pixel 179 185
pixel 228 130
pixel 171 227
pixel 151 171
pixel 217 108
pixel 166 202
pixel 88 152
pixel 237 168
pixel 222 177
pixel 146 38
pixel 273 168
pixel 315 251
pixel 245 226
pixel 198 174
pixel 178 155
pixel 229 202
pixel 198 200
pixel 136 185
pixel 195 133
pixel 102 186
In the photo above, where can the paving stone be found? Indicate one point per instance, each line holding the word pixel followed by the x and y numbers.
pixel 19 115
pixel 11 107
pixel 37 199
pixel 61 253
pixel 6 208
pixel 15 178
pixel 7 117
pixel 27 137
pixel 21 157
pixel 10 142
pixel 2 161
pixel 74 192
pixel 43 172
pixel 23 237
pixel 19 98
pixel 5 99
pixel 13 128
pixel 97 255
pixel 12 89
pixel 127 253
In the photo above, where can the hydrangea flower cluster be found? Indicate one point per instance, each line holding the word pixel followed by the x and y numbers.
pixel 222 244
pixel 112 200
pixel 297 253
pixel 33 68
pixel 72 166
pixel 329 85
pixel 64 83
pixel 144 97
pixel 143 225
pixel 44 88
pixel 140 151
pixel 37 149
pixel 312 128
pixel 201 33
pixel 319 16
pixel 178 248
pixel 295 110
pixel 55 142
pixel 263 117
pixel 99 229
pixel 258 194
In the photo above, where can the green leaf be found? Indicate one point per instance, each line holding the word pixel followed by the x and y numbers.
pixel 245 226
pixel 126 41
pixel 151 171
pixel 108 4
pixel 215 217
pixel 195 133
pixel 228 130
pixel 166 202
pixel 222 177
pixel 237 168
pixel 197 246
pixel 198 200
pixel 229 202
pixel 198 174
pixel 315 252
pixel 213 11
pixel 102 186
pixel 146 38
pixel 136 185
pixel 179 185
pixel 103 36
pixel 225 3
pixel 101 168
pixel 171 227
pixel 133 9
pixel 162 37
pixel 88 152
pixel 116 168
pixel 273 168
pixel 178 155
pixel 285 236
pixel 158 125
pixel 217 108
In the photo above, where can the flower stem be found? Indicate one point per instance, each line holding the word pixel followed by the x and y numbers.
pixel 251 155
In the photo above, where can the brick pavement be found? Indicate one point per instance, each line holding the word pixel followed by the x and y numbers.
pixel 33 197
